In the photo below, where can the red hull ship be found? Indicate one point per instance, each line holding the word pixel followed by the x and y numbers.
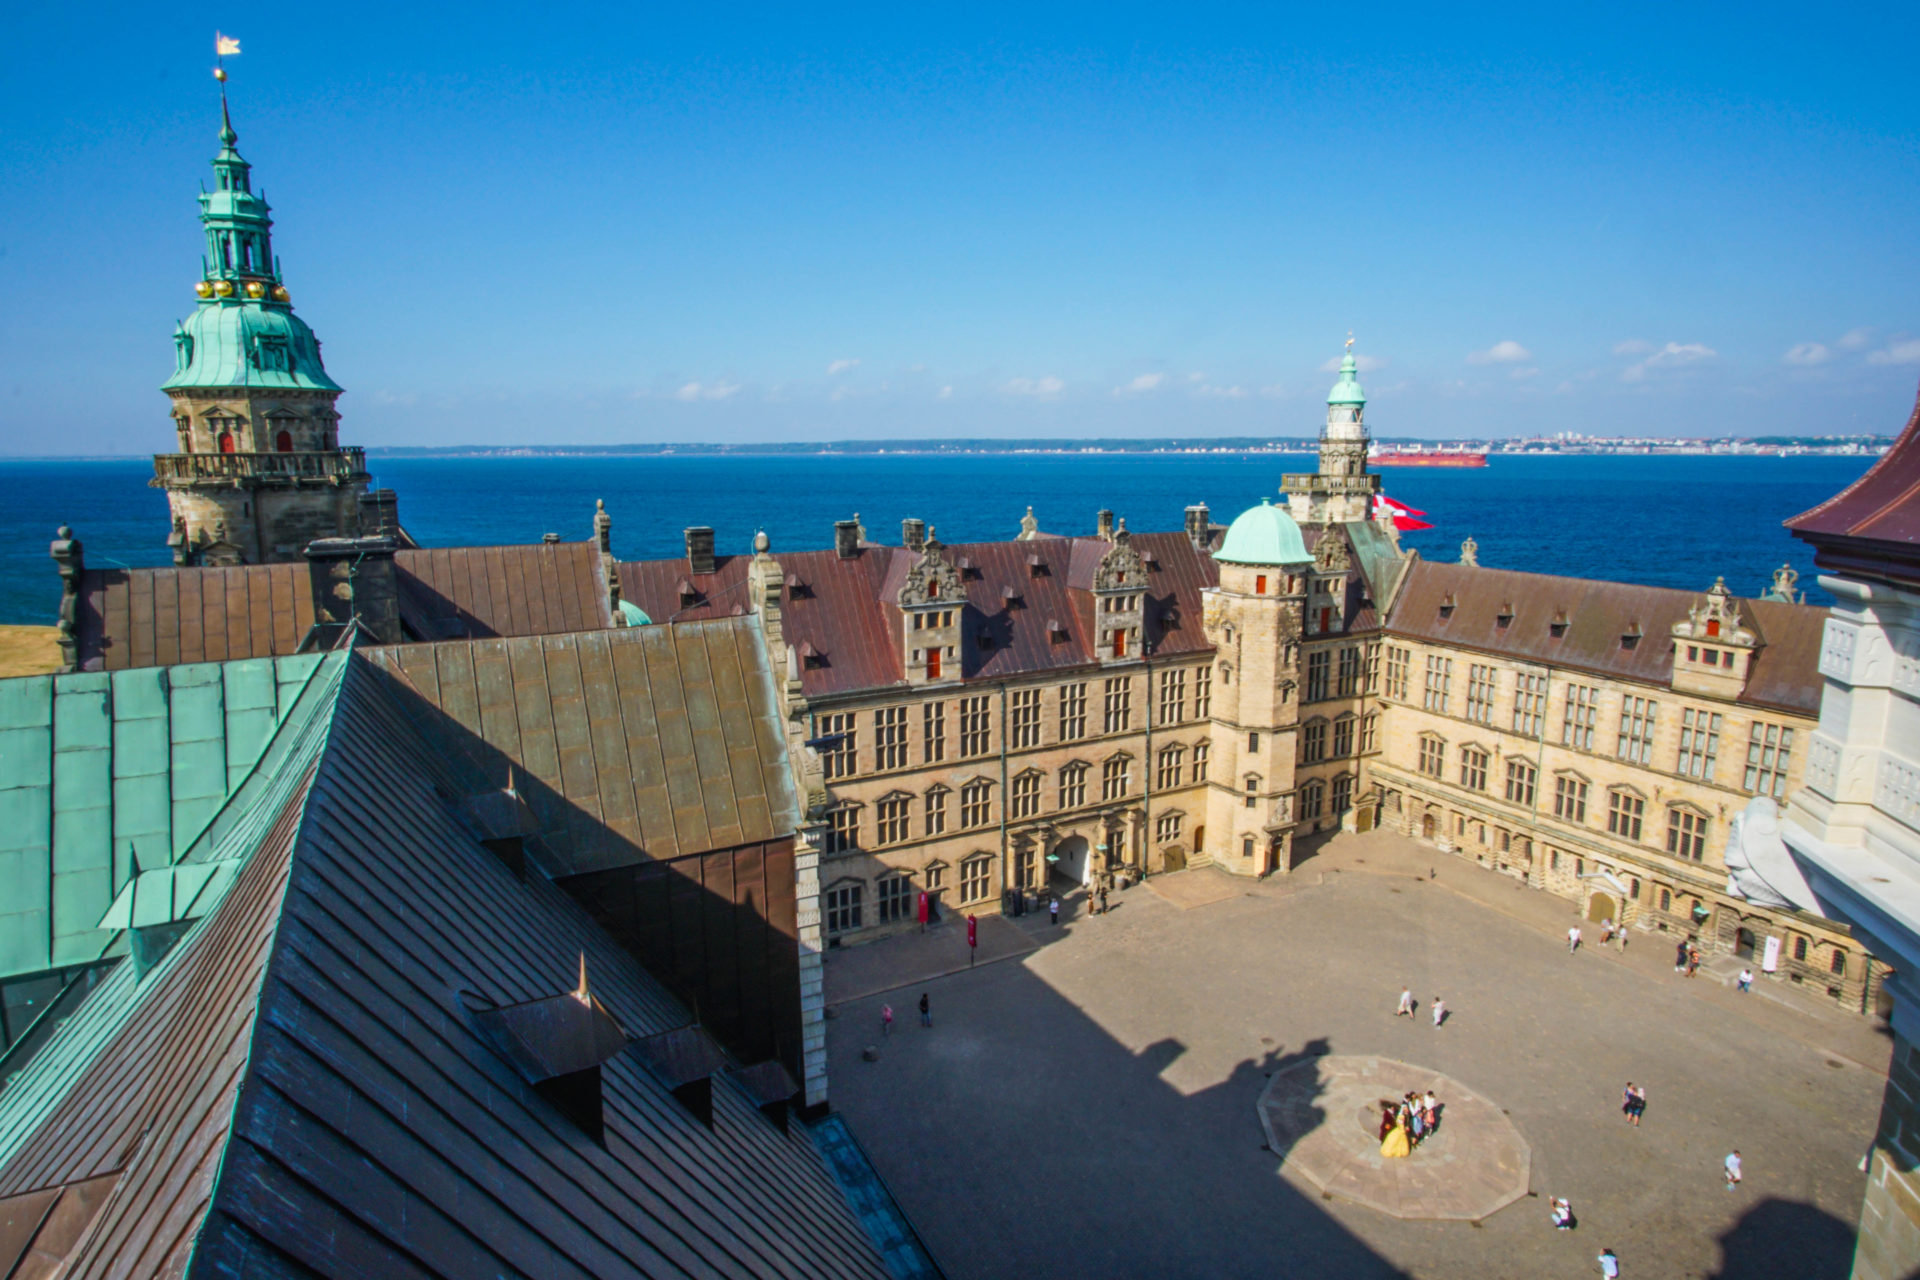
pixel 1393 458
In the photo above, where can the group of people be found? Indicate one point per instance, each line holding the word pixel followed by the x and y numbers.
pixel 1634 1104
pixel 1686 957
pixel 1408 1122
pixel 1405 1007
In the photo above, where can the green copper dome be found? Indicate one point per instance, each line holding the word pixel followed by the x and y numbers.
pixel 1265 534
pixel 1347 390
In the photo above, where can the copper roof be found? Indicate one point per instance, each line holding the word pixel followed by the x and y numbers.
pixel 1873 525
pixel 1462 605
pixel 533 590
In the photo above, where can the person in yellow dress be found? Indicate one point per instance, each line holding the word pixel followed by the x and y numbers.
pixel 1396 1145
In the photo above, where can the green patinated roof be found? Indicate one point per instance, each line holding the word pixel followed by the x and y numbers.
pixel 1265 534
pixel 634 614
pixel 228 343
pixel 1347 390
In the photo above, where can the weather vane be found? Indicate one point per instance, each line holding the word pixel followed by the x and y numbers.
pixel 223 47
pixel 1349 332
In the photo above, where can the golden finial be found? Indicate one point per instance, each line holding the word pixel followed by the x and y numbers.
pixel 1349 339
pixel 580 992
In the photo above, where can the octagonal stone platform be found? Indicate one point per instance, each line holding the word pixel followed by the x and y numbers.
pixel 1322 1117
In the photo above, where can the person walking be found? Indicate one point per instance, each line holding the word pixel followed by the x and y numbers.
pixel 926 1010
pixel 1573 939
pixel 1439 1012
pixel 1406 1002
pixel 1746 980
pixel 886 1019
pixel 1609 1265
pixel 1562 1213
pixel 1637 1105
pixel 1680 957
pixel 1693 959
pixel 1606 931
pixel 1053 910
pixel 1733 1170
pixel 1103 901
pixel 1626 1102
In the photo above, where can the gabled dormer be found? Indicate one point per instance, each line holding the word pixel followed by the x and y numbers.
pixel 931 602
pixel 1119 600
pixel 1713 648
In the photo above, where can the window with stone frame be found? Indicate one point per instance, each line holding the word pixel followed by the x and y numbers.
pixel 1529 703
pixel 1313 741
pixel 1026 795
pixel 1317 663
pixel 1686 833
pixel 1370 670
pixel 1769 751
pixel 936 876
pixel 1637 716
pixel 1340 799
pixel 1837 963
pixel 1398 660
pixel 1699 742
pixel 843 829
pixel 1439 682
pixel 1116 778
pixel 1569 798
pixel 936 810
pixel 933 732
pixel 1201 751
pixel 1483 683
pixel 976 726
pixel 892 819
pixel 1202 692
pixel 1369 733
pixel 894 897
pixel 890 738
pixel 1118 708
pixel 1624 813
pixel 1581 709
pixel 1025 863
pixel 843 907
pixel 1433 755
pixel 1342 736
pixel 839 759
pixel 976 804
pixel 1252 785
pixel 1473 768
pixel 1173 696
pixel 1313 799
pixel 976 878
pixel 1073 711
pixel 1346 679
pixel 1025 715
pixel 1073 785
pixel 1520 778
pixel 1166 829
pixel 1170 762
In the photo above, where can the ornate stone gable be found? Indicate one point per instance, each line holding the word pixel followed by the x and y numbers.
pixel 1331 555
pixel 1716 617
pixel 932 579
pixel 1121 568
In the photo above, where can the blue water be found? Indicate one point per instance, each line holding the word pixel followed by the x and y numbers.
pixel 1674 522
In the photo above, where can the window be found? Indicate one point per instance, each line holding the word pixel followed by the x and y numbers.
pixel 1633 888
pixel 1253 742
pixel 1173 697
pixel 976 726
pixel 1343 736
pixel 1529 703
pixel 1699 742
pixel 1202 692
pixel 891 815
pixel 1636 729
pixel 1073 711
pixel 1260 584
pixel 838 759
pixel 1569 798
pixel 1073 785
pixel 1799 948
pixel 1370 733
pixel 284 442
pixel 1246 846
pixel 1686 834
pixel 1253 788
pixel 1837 963
pixel 895 897
pixel 1317 675
pixel 937 810
pixel 1439 682
pixel 1167 829
pixel 843 829
pixel 1433 757
pixel 1026 795
pixel 1114 775
pixel 1666 899
pixel 1397 662
pixel 1026 718
pixel 934 730
pixel 1313 741
pixel 1342 793
pixel 936 874
pixel 1313 798
pixel 1024 863
pixel 1576 730
pixel 1473 768
pixel 1520 776
pixel 1482 681
pixel 890 738
pixel 1118 708
pixel 1769 747
pixel 1624 810
pixel 976 879
pixel 843 908
pixel 1170 760
pixel 1373 667
pixel 1201 751
pixel 976 803
pixel 1347 682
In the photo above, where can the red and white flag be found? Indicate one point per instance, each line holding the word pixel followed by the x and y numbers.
pixel 1401 515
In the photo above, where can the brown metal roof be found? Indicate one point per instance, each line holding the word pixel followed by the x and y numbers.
pixel 1784 674
pixel 533 590
pixel 1873 525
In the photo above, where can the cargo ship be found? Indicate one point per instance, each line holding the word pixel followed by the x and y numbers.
pixel 1426 458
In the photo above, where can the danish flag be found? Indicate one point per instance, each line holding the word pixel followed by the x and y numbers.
pixel 1402 515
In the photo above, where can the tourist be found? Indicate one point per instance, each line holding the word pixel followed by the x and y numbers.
pixel 1680 957
pixel 1693 959
pixel 1636 1104
pixel 1606 931
pixel 1433 1111
pixel 1416 1124
pixel 1439 1012
pixel 1562 1213
pixel 1103 901
pixel 1573 939
pixel 926 1011
pixel 1396 1146
pixel 1406 1002
pixel 886 1019
pixel 1626 1101
pixel 1609 1265
pixel 1053 910
pixel 1733 1170
pixel 1746 980
pixel 1386 1119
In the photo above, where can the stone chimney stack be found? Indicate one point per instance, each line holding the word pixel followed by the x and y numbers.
pixel 380 514
pixel 1104 525
pixel 67 557
pixel 846 538
pixel 1199 526
pixel 700 549
pixel 354 578
pixel 913 534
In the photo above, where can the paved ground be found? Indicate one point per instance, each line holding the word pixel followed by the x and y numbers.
pixel 1089 1108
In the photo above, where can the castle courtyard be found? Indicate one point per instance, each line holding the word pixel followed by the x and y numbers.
pixel 1087 1103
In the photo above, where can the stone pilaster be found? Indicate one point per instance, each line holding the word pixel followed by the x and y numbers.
pixel 1889 1240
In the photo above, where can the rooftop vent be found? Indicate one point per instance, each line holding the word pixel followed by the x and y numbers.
pixel 689 594
pixel 557 1044
pixel 1558 626
pixel 501 822
pixel 913 534
pixel 1505 616
pixel 1056 629
pixel 771 1089
pixel 1446 606
pixel 965 565
pixel 1010 594
pixel 1630 638
pixel 1036 567
pixel 700 549
pixel 684 1060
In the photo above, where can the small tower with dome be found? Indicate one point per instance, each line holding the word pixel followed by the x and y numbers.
pixel 1342 490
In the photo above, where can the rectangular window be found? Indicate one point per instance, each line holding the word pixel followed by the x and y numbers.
pixel 976 726
pixel 1699 742
pixel 1624 812
pixel 1520 782
pixel 1342 793
pixel 1173 697
pixel 1482 682
pixel 1312 799
pixel 1346 682
pixel 839 759
pixel 890 738
pixel 1473 768
pixel 1073 786
pixel 1317 675
pixel 895 897
pixel 1170 761
pixel 1202 692
pixel 1118 708
pixel 937 811
pixel 1769 750
pixel 1370 733
pixel 1397 662
pixel 1024 863
pixel 1026 795
pixel 1167 829
pixel 1313 742
pixel 1373 667
pixel 1686 834
pixel 1200 753
pixel 1576 729
pixel 891 816
pixel 1343 736
pixel 1636 729
pixel 843 829
pixel 1529 703
pixel 1115 778
pixel 976 879
pixel 976 804
pixel 1569 799
pixel 1026 718
pixel 1073 711
pixel 843 908
pixel 1433 757
pixel 1439 682
pixel 933 728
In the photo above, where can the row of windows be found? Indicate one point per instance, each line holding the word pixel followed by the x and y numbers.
pixel 896 899
pixel 1341 674
pixel 1314 737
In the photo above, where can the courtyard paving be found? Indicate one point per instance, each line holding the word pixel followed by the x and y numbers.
pixel 1090 1107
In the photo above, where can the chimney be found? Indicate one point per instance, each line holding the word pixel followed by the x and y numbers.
pixel 1199 526
pixel 846 538
pixel 602 527
pixel 353 578
pixel 913 534
pixel 700 549
pixel 380 514
pixel 1104 524
pixel 66 553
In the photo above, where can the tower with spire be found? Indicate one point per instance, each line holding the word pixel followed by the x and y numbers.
pixel 260 472
pixel 1342 490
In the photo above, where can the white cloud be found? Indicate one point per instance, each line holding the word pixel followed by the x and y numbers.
pixel 1521 375
pixel 841 366
pixel 1807 353
pixel 946 393
pixel 706 391
pixel 1139 386
pixel 1672 356
pixel 1366 364
pixel 1043 387
pixel 1903 351
pixel 1854 339
pixel 1632 347
pixel 1508 352
pixel 1221 393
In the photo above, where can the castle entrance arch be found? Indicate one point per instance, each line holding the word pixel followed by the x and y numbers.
pixel 1428 826
pixel 1068 860
pixel 1601 907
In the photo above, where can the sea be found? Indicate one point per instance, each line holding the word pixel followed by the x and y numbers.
pixel 1670 521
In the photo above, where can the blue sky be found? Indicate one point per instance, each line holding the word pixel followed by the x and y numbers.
pixel 706 222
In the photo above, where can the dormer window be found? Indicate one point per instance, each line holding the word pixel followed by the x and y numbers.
pixel 1504 617
pixel 1558 627
pixel 1630 638
pixel 557 1044
pixel 1446 606
pixel 689 595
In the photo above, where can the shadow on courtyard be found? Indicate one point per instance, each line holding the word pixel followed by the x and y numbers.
pixel 1819 1245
